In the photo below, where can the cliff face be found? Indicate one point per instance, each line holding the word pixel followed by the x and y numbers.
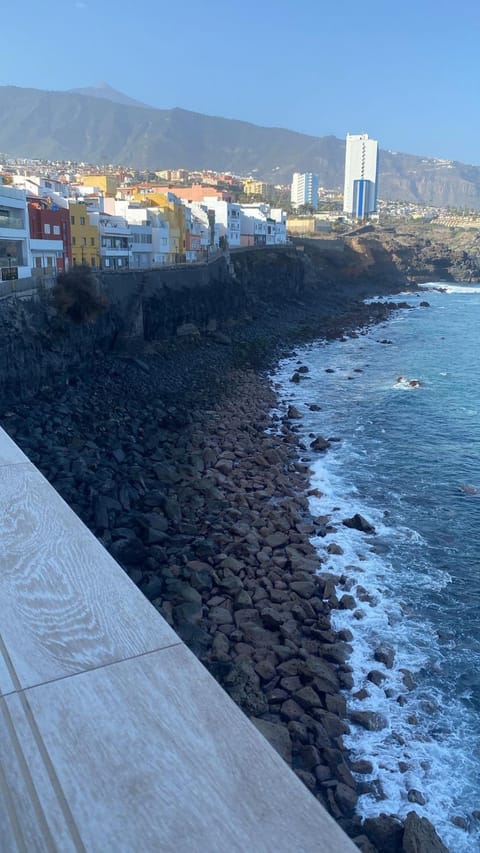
pixel 263 294
pixel 433 254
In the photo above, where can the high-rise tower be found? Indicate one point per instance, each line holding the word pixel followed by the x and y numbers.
pixel 304 189
pixel 361 175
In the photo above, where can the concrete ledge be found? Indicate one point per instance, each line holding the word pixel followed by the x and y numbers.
pixel 113 737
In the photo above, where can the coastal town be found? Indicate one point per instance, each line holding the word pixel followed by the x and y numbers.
pixel 55 215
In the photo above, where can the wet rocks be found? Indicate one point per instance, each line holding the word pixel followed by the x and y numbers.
pixel 358 522
pixel 384 654
pixel 320 444
pixel 370 720
pixel 420 836
pixel 293 413
pixel 414 796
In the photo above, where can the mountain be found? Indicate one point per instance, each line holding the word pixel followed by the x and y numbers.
pixel 93 129
pixel 105 91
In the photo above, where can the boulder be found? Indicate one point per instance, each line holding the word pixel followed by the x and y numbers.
pixel 319 444
pixel 385 832
pixel 305 589
pixel 370 720
pixel 358 522
pixel 415 796
pixel 376 677
pixel 346 799
pixel 293 413
pixel 277 539
pixel 384 654
pixel 420 836
pixel 277 736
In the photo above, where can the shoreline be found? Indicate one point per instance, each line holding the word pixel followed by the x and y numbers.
pixel 208 514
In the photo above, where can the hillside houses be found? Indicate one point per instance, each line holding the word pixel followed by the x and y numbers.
pixel 50 224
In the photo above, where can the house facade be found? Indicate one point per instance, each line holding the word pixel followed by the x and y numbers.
pixel 15 254
pixel 49 224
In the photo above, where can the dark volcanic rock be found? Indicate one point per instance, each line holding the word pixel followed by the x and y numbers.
pixel 385 832
pixel 370 720
pixel 420 836
pixel 358 522
pixel 319 444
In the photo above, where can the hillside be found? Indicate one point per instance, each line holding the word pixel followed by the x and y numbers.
pixel 82 127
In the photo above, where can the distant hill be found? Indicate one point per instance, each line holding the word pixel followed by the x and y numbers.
pixel 105 91
pixel 99 129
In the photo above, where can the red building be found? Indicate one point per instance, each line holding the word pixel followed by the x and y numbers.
pixel 49 222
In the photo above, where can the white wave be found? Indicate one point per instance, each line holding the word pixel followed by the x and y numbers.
pixel 445 287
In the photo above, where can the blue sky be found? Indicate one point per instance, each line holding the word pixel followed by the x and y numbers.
pixel 407 72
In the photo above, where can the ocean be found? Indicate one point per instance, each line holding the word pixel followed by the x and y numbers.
pixel 404 400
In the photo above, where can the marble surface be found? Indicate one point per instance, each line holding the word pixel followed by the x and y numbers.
pixel 113 737
pixel 66 604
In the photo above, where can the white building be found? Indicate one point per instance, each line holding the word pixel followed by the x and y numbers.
pixel 361 175
pixel 160 238
pixel 227 217
pixel 204 223
pixel 304 189
pixel 114 237
pixel 15 255
pixel 42 187
pixel 279 217
pixel 262 225
pixel 46 255
pixel 140 228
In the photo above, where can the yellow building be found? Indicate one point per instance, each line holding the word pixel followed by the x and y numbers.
pixel 85 238
pixel 315 224
pixel 173 212
pixel 252 187
pixel 107 184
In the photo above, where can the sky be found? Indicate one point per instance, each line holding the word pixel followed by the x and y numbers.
pixel 405 72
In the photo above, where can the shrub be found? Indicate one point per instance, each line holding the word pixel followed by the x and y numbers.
pixel 76 295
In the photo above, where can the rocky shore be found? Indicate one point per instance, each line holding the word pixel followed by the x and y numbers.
pixel 173 463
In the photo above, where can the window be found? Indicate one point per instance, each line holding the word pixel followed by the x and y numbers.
pixel 72 220
pixel 74 241
pixel 11 217
pixel 46 228
pixel 56 229
pixel 38 263
pixel 92 241
pixel 49 262
pixel 82 220
pixel 92 261
pixel 84 241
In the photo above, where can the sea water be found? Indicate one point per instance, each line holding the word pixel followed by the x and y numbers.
pixel 404 400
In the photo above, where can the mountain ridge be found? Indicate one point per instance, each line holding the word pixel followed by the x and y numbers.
pixel 108 93
pixel 90 128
